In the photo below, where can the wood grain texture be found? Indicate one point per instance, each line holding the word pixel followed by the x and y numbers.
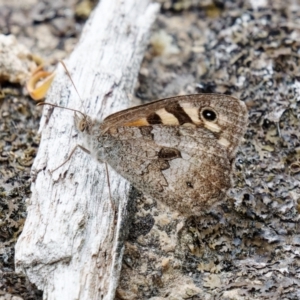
pixel 70 246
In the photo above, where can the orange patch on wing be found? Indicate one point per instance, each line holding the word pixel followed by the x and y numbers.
pixel 137 123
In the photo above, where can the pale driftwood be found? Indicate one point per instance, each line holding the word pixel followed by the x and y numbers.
pixel 71 246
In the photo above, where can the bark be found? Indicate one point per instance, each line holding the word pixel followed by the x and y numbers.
pixel 72 244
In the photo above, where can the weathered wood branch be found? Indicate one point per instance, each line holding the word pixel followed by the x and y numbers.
pixel 71 245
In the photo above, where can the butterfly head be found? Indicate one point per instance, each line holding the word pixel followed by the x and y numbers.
pixel 83 123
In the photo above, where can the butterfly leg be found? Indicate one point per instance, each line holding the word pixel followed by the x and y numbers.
pixel 107 175
pixel 69 157
pixel 110 197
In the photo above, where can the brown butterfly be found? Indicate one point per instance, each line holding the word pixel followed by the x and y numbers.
pixel 178 150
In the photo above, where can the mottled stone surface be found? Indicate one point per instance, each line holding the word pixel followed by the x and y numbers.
pixel 248 246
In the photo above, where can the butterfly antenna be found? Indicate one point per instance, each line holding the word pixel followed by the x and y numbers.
pixel 69 75
pixel 54 105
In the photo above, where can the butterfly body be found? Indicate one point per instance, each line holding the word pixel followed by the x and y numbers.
pixel 177 150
